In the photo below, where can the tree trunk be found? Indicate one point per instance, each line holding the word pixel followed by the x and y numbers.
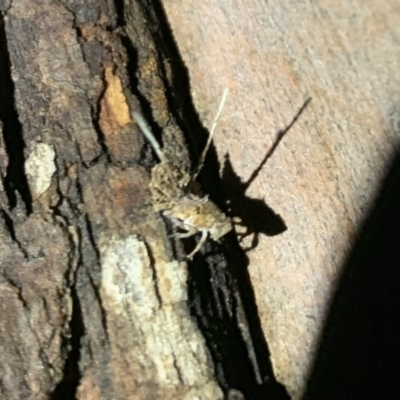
pixel 94 293
pixel 322 179
pixel 97 298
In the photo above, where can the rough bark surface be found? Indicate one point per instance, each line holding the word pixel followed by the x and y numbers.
pixel 93 300
pixel 96 298
pixel 322 178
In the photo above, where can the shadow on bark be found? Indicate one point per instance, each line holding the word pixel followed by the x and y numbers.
pixel 255 214
pixel 359 352
pixel 15 180
pixel 221 296
pixel 67 388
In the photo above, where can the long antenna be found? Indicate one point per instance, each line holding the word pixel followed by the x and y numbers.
pixel 149 135
pixel 212 130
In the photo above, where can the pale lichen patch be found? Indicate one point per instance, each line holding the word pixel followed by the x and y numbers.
pixel 127 278
pixel 172 278
pixel 40 168
pixel 144 297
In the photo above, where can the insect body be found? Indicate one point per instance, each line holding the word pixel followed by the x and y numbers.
pixel 174 195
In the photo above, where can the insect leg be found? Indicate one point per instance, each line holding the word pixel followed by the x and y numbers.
pixel 191 230
pixel 204 235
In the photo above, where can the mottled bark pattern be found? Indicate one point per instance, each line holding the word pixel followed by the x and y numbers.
pixel 93 302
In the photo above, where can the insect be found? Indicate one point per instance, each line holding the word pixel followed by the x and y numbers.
pixel 177 196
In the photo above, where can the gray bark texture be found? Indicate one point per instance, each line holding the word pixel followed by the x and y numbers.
pixel 97 299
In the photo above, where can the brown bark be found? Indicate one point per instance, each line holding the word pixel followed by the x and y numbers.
pixel 94 304
pixel 325 174
pixel 97 300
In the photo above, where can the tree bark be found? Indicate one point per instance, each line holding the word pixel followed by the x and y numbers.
pixel 94 301
pixel 322 179
pixel 97 298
